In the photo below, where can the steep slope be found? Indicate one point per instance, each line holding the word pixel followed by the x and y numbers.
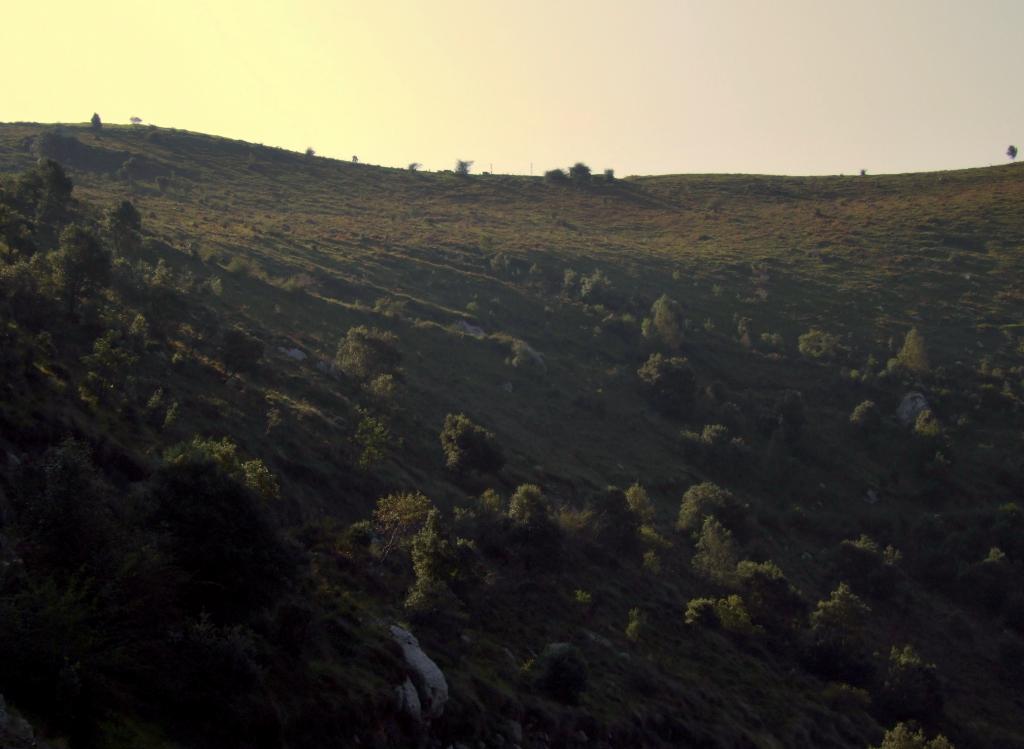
pixel 522 303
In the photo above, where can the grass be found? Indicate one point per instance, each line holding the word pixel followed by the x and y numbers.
pixel 304 248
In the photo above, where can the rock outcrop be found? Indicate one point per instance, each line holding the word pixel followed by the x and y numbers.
pixel 913 403
pixel 431 686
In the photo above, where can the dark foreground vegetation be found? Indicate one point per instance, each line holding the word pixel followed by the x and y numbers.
pixel 675 461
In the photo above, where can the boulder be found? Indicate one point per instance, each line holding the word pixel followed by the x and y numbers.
pixel 293 353
pixel 474 331
pixel 408 701
pixel 913 403
pixel 428 678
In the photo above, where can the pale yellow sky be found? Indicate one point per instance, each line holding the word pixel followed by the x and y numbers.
pixel 644 86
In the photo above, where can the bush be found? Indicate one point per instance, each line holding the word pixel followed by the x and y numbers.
pixel 616 528
pixel 866 418
pixel 398 516
pixel 817 344
pixel 868 569
pixel 837 645
pixel 769 594
pixel 716 555
pixel 665 323
pixel 469 447
pixel 215 531
pixel 903 736
pixel 640 504
pixel 533 536
pixel 669 382
pixel 96 122
pixel 556 176
pixel 911 688
pixel 253 473
pixel 241 352
pixel 913 356
pixel 80 265
pixel 462 167
pixel 705 500
pixel 366 353
pixel 561 673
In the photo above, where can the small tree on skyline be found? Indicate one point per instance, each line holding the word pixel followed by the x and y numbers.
pixel 463 167
pixel 135 120
pixel 96 122
pixel 1011 152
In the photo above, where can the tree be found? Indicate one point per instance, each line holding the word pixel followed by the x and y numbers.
pixel 838 643
pixel 414 166
pixel 665 322
pixel 96 122
pixel 462 167
pixel 135 120
pixel 81 264
pixel 433 562
pixel 469 447
pixel 670 383
pixel 398 516
pixel 716 555
pixel 310 153
pixel 241 351
pixel 124 224
pixel 579 173
pixel 911 688
pixel 1011 152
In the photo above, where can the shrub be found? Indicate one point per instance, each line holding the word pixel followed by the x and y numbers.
pixel 701 611
pixel 868 569
pixel 433 563
pixel 635 625
pixel 95 121
pixel 913 357
pixel 241 352
pixel 609 175
pixel 561 672
pixel 80 265
pixel 665 323
pixel 733 616
pixel 124 225
pixel 366 353
pixel 215 531
pixel 533 536
pixel 771 598
pixel 669 382
pixel 705 500
pixel 462 167
pixel 903 736
pixel 716 555
pixel 556 176
pixel 911 688
pixel 817 344
pixel 837 645
pixel 469 447
pixel 866 418
pixel 398 516
pixel 640 503
pixel 224 453
pixel 615 527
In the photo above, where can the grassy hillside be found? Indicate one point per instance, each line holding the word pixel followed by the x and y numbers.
pixel 521 303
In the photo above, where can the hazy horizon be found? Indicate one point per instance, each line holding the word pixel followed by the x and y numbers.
pixel 800 88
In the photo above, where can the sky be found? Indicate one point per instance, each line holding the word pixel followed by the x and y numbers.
pixel 639 86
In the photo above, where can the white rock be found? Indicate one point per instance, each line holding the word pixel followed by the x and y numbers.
pixel 428 678
pixel 408 701
pixel 913 403
pixel 293 353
